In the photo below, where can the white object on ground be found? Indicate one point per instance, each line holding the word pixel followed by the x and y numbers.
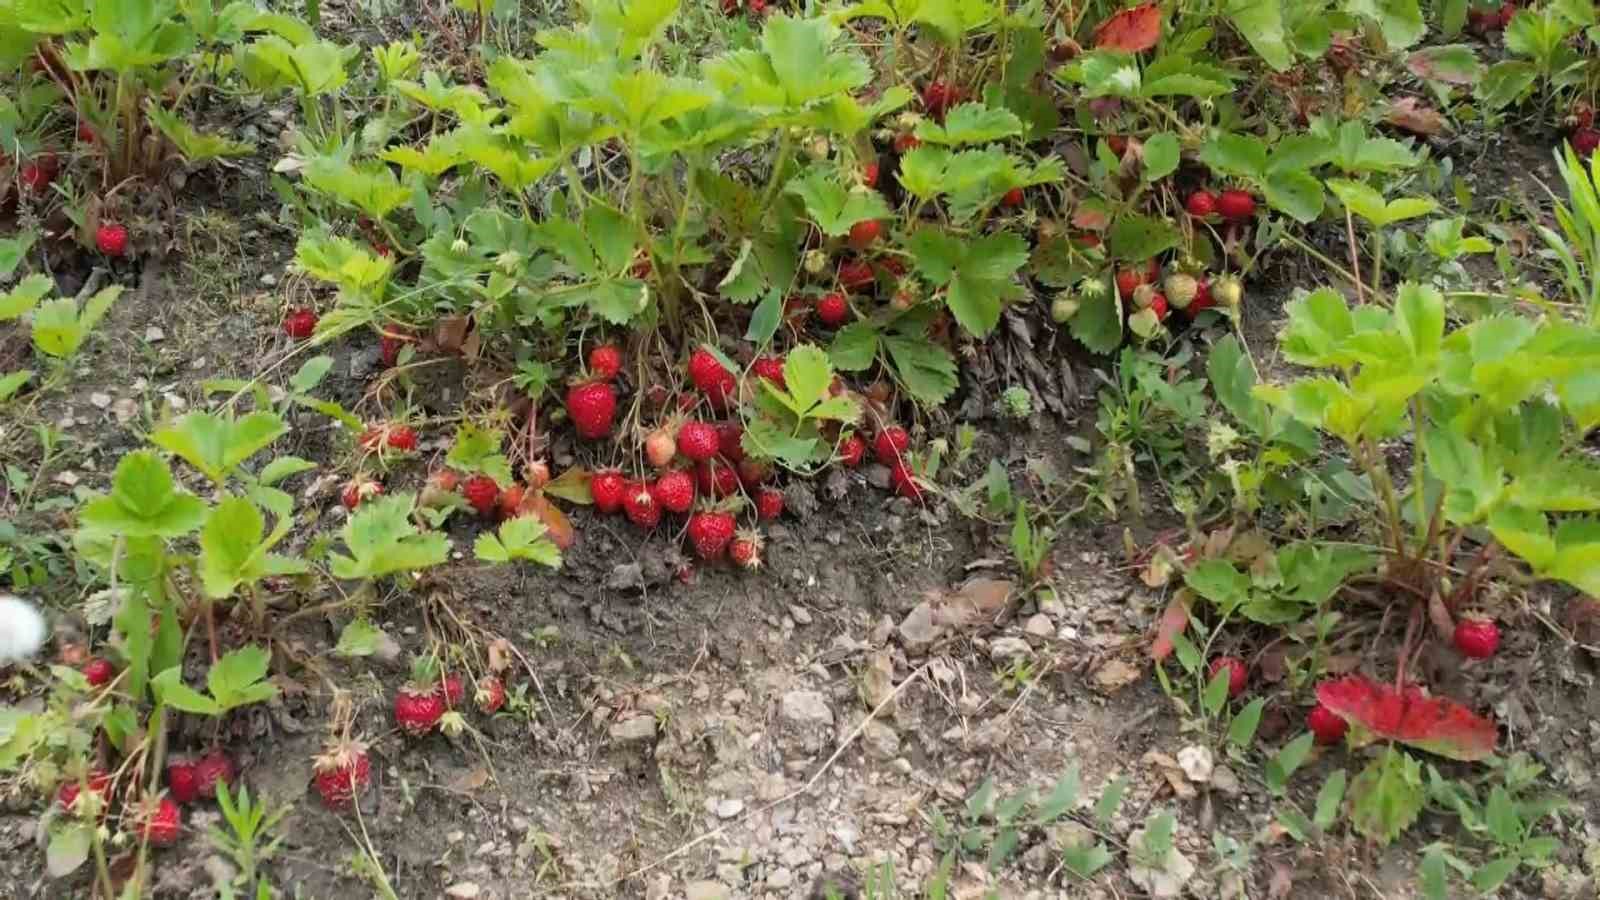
pixel 22 630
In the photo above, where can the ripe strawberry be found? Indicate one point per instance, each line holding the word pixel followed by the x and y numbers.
pixel 869 174
pixel 36 176
pixel 395 437
pixel 161 823
pixel 490 695
pixel 1237 673
pixel 832 309
pixel 710 532
pixel 212 768
pixel 393 341
pixel 660 446
pixel 855 275
pixel 1158 305
pixel 85 133
pixel 862 234
pixel 112 239
pixel 182 783
pixel 1508 11
pixel 1200 204
pixel 452 689
pixel 99 672
pixel 711 378
pixel 769 504
pixel 906 142
pixel 769 368
pixel 341 771
pixel 357 490
pixel 640 505
pixel 509 506
pixel 1128 281
pixel 420 702
pixel 642 265
pixel 939 96
pixel 1118 144
pixel 1328 727
pixel 1585 141
pixel 894 265
pixel 605 361
pixel 99 784
pixel 607 487
pixel 754 472
pixel 1477 638
pixel 674 491
pixel 300 323
pixel 730 440
pixel 891 444
pixel 482 493
pixel 851 449
pixel 745 551
pixel 698 441
pixel 730 7
pixel 1236 204
pixel 905 481
pixel 715 478
pixel 1202 299
pixel 759 7
pixel 592 405
pixel 1012 197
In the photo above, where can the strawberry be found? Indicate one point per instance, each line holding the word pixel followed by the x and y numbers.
pixel 851 449
pixel 212 768
pixel 420 703
pixel 112 239
pixel 710 532
pixel 1200 204
pixel 1118 144
pixel 660 446
pixel 341 772
pixel 1237 673
pixel 1477 638
pixel 753 472
pixel 862 234
pixel 300 323
pixel 855 275
pixel 698 441
pixel 759 7
pixel 509 506
pixel 483 493
pixel 730 440
pixel 182 784
pixel 490 695
pixel 161 822
pixel 1128 281
pixel 393 341
pixel 730 7
pixel 939 96
pixel 1227 291
pixel 439 489
pixel 592 405
pixel 85 133
pixel 769 368
pixel 869 174
pixel 605 361
pixel 715 478
pixel 894 265
pixel 357 490
pixel 674 491
pixel 745 551
pixel 1585 141
pixel 1158 305
pixel 1012 197
pixel 1326 725
pixel 711 377
pixel 1508 11
pixel 642 264
pixel 452 689
pixel 606 487
pixel 769 504
pixel 402 438
pixel 36 176
pixel 905 481
pixel 906 142
pixel 640 505
pixel 832 309
pixel 891 445
pixel 1236 204
pixel 1202 300
pixel 99 784
pixel 99 672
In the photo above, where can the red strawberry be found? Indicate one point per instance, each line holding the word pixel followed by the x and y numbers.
pixel 452 689
pixel 715 478
pixel 438 489
pixel 1236 204
pixel 161 822
pixel 855 276
pixel 642 264
pixel 1327 726
pixel 1238 675
pixel 112 239
pixel 1202 299
pixel 730 440
pixel 420 703
pixel 341 772
pixel 710 533
pixel 36 176
pixel 1201 204
pixel 1158 305
pixel 851 449
pixel 711 377
pixel 359 489
pixel 905 481
pixel 869 174
pixel 905 143
pixel 509 506
pixel 182 783
pixel 769 368
pixel 745 551
pixel 393 341
pixel 85 133
pixel 674 491
pixel 832 309
pixel 401 437
pixel 212 768
pixel 862 234
pixel 607 487
pixel 1508 11
pixel 300 323
pixel 1128 281
pixel 1118 144
pixel 592 405
pixel 99 672
pixel 605 361
pixel 1585 141
pixel 698 441
pixel 99 784
pixel 490 696
pixel 939 96
pixel 754 472
pixel 482 493
pixel 1012 197
pixel 1477 638
pixel 640 505
pixel 769 504
pixel 894 265
pixel 891 445
pixel 730 7
pixel 759 7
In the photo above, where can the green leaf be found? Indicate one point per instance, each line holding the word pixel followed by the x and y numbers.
pixel 1161 156
pixel 12 251
pixel 59 328
pixel 1242 730
pixel 12 382
pixel 970 123
pixel 854 347
pixel 477 450
pixel 193 145
pixel 1261 23
pixel 382 540
pixel 1387 796
pixel 1136 238
pixel 766 318
pixel 1283 765
pixel 1110 799
pixel 1419 315
pixel 25 296
pixel 70 842
pixel 359 638
pixel 1488 878
pixel 216 446
pixel 170 690
pixel 283 467
pixel 927 371
pixel 835 208
pixel 1505 82
pixel 144 501
pixel 520 538
pixel 1062 798
pixel 233 550
pixel 1098 322
pixel 977 274
pixel 239 678
pixel 1328 800
pixel 1218 581
pixel 1296 194
pixel 1239 155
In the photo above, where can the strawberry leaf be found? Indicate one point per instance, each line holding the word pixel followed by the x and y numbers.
pixel 477 450
pixel 1098 322
pixel 144 501
pixel 971 123
pixel 1409 716
pixel 1131 30
pixel 217 446
pixel 977 274
pixel 521 538
pixel 833 207
pixel 1386 798
pixel 927 371
pixel 383 541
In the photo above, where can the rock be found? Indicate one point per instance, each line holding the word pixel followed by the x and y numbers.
pixel 730 807
pixel 465 890
pixel 705 890
pixel 1006 649
pixel 846 834
pixel 1040 626
pixel 800 615
pixel 660 889
pixel 917 630
pixel 1196 762
pixel 1225 782
pixel 806 708
pixel 881 740
pixel 637 728
pixel 780 879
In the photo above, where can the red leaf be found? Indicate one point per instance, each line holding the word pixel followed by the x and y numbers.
pixel 1172 623
pixel 1131 31
pixel 1410 716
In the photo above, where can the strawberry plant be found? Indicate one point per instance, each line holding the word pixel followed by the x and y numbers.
pixel 59 327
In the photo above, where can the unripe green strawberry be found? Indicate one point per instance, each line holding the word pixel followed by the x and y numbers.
pixel 1181 288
